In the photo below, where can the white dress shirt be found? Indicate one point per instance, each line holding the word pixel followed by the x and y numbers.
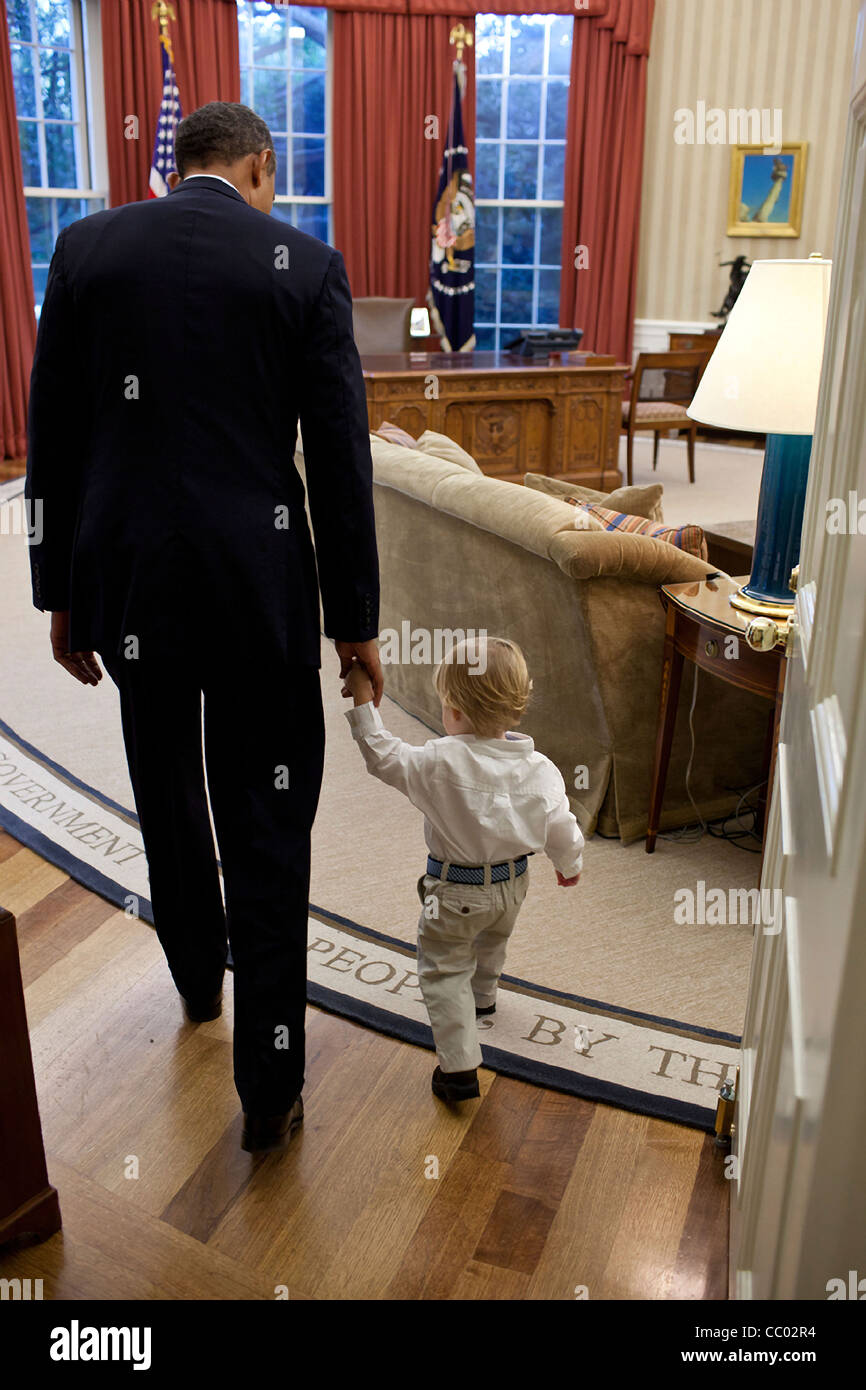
pixel 210 176
pixel 484 799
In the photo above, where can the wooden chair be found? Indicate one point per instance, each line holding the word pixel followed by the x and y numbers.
pixel 663 384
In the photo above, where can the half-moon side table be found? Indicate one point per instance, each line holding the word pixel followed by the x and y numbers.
pixel 700 624
pixel 28 1203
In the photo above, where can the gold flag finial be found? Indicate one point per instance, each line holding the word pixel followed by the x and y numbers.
pixel 163 11
pixel 462 37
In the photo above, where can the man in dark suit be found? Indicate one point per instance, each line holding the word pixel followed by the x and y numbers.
pixel 180 342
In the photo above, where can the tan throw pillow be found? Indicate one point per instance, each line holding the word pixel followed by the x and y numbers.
pixel 637 501
pixel 441 447
pixel 395 435
pixel 688 538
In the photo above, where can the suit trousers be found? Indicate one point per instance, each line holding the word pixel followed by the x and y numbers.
pixel 264 742
pixel 463 933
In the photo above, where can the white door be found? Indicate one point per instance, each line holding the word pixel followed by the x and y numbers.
pixel 798 1217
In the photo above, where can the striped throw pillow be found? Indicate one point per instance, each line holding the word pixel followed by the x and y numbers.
pixel 688 538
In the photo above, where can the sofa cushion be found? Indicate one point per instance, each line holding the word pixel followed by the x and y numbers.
pixel 637 501
pixel 441 447
pixel 688 538
pixel 395 435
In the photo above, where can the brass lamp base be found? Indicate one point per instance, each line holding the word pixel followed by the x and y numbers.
pixel 764 608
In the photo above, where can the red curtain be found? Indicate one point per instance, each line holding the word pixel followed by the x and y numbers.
pixel 391 73
pixel 205 42
pixel 17 319
pixel 604 162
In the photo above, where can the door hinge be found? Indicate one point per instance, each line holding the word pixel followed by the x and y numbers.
pixel 725 1111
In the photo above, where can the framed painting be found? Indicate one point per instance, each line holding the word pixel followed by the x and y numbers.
pixel 766 193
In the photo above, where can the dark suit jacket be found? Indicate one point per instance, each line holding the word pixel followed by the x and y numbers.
pixel 180 341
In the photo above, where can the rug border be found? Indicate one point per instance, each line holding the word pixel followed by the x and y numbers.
pixel 371 1016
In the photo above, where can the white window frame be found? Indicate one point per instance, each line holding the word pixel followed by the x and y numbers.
pixel 327 198
pixel 91 150
pixel 506 77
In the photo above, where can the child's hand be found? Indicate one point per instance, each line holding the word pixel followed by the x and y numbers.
pixel 566 882
pixel 358 684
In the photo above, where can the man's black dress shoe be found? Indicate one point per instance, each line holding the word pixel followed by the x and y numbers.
pixel 455 1085
pixel 203 1010
pixel 264 1132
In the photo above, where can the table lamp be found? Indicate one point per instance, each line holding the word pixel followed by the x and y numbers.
pixel 763 377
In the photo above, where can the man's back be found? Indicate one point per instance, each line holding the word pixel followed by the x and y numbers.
pixel 195 330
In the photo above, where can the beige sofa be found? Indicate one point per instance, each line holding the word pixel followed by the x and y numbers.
pixel 460 550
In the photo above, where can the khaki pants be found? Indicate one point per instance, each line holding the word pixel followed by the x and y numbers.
pixel 462 935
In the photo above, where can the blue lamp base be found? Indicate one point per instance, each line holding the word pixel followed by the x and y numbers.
pixel 780 522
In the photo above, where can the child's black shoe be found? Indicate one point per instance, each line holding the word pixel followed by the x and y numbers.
pixel 482 1013
pixel 455 1085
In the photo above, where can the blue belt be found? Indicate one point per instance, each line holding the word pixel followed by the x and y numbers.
pixel 464 873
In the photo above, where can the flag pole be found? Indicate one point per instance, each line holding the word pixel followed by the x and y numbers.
pixel 163 11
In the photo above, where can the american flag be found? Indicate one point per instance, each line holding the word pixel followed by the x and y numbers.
pixel 170 113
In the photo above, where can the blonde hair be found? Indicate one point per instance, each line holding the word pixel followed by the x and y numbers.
pixel 487 680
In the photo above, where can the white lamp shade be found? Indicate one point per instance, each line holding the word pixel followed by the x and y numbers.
pixel 764 373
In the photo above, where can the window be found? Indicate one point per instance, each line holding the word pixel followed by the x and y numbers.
pixel 48 40
pixel 284 78
pixel 522 66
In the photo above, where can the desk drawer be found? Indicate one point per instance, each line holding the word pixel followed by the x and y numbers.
pixel 707 646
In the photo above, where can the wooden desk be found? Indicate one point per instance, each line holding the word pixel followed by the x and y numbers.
pixel 699 620
pixel 513 415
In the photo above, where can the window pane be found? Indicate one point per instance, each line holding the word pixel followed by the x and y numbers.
pixel 560 45
pixel 489 42
pixel 554 171
pixel 485 339
pixel 551 236
pixel 281 150
pixel 22 76
pixel 60 151
pixel 308 102
pixel 245 31
pixel 527 43
pixel 40 280
pixel 548 297
pixel 28 134
pixel 53 22
pixel 271 37
pixel 518 236
pixel 308 48
pixel 557 110
pixel 39 223
pixel 18 15
pixel 246 87
pixel 524 107
pixel 308 167
pixel 485 296
pixel 56 83
pixel 516 296
pixel 521 171
pixel 486 234
pixel 270 99
pixel 487 170
pixel 488 108
pixel 312 218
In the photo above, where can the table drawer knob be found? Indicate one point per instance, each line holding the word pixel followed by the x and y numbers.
pixel 712 648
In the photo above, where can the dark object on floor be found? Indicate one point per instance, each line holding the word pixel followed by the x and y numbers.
pixel 482 1013
pixel 265 1132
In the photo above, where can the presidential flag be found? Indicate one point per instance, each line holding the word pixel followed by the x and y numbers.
pixel 451 295
pixel 170 113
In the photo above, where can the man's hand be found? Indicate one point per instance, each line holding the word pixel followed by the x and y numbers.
pixel 82 665
pixel 566 882
pixel 366 654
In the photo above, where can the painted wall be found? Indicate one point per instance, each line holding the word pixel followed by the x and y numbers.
pixel 793 54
